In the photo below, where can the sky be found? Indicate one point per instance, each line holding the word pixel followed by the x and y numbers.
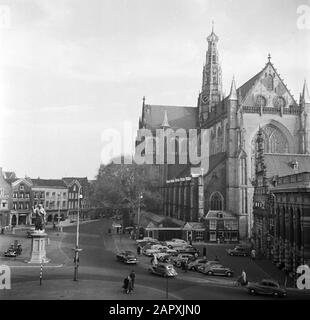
pixel 72 69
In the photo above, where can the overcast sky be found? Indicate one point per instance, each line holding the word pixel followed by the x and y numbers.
pixel 71 69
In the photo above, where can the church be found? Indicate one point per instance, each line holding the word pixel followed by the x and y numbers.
pixel 262 104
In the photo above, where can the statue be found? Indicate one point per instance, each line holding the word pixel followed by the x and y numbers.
pixel 40 214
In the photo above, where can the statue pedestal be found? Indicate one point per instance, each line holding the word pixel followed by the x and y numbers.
pixel 38 252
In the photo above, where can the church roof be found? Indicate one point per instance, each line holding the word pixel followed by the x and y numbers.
pixel 282 164
pixel 246 87
pixel 48 183
pixel 178 117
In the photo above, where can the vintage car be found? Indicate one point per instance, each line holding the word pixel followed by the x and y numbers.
pixel 147 239
pixel 193 265
pixel 158 249
pixel 241 251
pixel 212 269
pixel 177 260
pixel 163 269
pixel 266 287
pixel 175 243
pixel 188 249
pixel 126 257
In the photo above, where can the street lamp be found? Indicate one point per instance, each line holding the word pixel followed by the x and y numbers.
pixel 77 249
pixel 58 217
pixel 139 211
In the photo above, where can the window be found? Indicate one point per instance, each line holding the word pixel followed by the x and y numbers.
pixel 27 205
pixel 15 205
pixel 27 195
pixel 53 194
pixel 1 192
pixel 74 188
pixel 213 224
pixel 21 187
pixel 20 207
pixel 58 204
pixel 216 201
pixel 15 195
pixel 41 194
pixel 4 204
pixel 64 204
pixel 213 236
pixel 64 194
pixel 47 194
pixel 46 204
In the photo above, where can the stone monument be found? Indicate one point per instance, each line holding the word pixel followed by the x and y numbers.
pixel 38 252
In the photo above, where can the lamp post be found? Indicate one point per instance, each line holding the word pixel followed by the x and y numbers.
pixel 139 211
pixel 77 249
pixel 58 217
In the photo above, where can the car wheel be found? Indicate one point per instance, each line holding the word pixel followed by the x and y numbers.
pixel 192 268
pixel 276 294
pixel 231 254
pixel 178 264
pixel 244 255
pixel 209 273
pixel 252 292
pixel 229 274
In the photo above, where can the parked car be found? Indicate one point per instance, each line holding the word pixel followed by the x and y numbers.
pixel 266 287
pixel 189 250
pixel 10 253
pixel 126 257
pixel 177 261
pixel 146 239
pixel 163 269
pixel 193 265
pixel 201 267
pixel 174 243
pixel 158 249
pixel 242 251
pixel 216 270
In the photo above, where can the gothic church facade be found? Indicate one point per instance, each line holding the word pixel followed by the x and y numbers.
pixel 263 102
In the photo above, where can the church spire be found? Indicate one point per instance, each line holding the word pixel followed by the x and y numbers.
pixel 165 123
pixel 233 91
pixel 305 97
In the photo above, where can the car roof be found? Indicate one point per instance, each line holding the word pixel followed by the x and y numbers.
pixel 270 280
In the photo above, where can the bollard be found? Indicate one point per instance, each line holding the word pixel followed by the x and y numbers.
pixel 41 273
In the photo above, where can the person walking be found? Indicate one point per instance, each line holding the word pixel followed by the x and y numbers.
pixel 126 285
pixel 132 277
pixel 253 254
pixel 129 284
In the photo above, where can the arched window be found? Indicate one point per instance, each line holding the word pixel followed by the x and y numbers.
pixel 216 201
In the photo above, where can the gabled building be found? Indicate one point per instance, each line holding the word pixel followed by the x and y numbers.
pixel 77 186
pixel 21 212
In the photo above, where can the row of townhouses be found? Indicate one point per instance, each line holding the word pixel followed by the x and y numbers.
pixel 59 198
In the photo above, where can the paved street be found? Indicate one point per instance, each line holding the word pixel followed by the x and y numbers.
pixel 101 276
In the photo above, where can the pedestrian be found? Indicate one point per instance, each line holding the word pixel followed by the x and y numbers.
pixel 126 285
pixel 132 277
pixel 244 278
pixel 129 284
pixel 138 250
pixel 204 252
pixel 253 254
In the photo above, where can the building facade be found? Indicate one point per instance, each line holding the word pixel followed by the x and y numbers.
pixel 6 195
pixel 53 195
pixel 21 212
pixel 78 197
pixel 233 122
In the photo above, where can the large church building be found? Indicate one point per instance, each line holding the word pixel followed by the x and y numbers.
pixel 262 104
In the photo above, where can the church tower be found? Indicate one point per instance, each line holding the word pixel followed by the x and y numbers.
pixel 211 91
